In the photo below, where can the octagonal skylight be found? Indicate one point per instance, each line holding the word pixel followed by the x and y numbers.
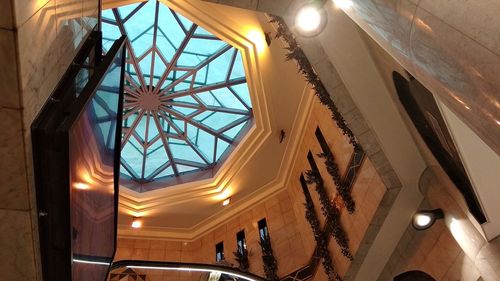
pixel 186 96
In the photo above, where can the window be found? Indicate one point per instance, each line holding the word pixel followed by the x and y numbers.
pixel 219 251
pixel 312 162
pixel 241 243
pixel 303 183
pixel 322 141
pixel 186 96
pixel 263 232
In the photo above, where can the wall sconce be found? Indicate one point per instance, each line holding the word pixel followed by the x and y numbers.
pixel 424 219
pixel 310 20
pixel 282 136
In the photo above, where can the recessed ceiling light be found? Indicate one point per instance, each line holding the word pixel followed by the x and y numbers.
pixel 81 185
pixel 310 20
pixel 226 202
pixel 136 222
pixel 426 218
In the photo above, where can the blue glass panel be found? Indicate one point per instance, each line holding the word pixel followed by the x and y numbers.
pixel 183 169
pixel 201 31
pixel 233 132
pixel 141 21
pixel 185 152
pixel 196 67
pixel 242 91
pixel 238 70
pixel 218 120
pixel 166 173
pixel 222 146
pixel 227 99
pixel 155 158
pixel 124 11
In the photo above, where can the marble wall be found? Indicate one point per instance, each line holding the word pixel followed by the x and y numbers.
pixel 291 235
pixel 434 251
pixel 449 46
pixel 38 39
pixel 454 249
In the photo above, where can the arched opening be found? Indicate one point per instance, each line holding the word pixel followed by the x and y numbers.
pixel 414 275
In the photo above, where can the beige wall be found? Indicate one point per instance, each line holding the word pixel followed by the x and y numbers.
pixel 453 249
pixel 291 235
pixel 433 251
pixel 38 39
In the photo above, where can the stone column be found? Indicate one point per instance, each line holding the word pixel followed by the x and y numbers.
pixel 38 39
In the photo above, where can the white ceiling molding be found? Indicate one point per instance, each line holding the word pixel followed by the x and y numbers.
pixel 135 202
pixel 259 195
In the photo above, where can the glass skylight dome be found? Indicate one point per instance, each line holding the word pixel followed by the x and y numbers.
pixel 186 98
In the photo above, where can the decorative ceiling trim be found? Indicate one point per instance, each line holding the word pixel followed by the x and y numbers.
pixel 136 203
pixel 183 109
pixel 110 4
pixel 280 183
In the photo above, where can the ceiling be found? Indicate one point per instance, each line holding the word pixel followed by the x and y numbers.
pixel 187 102
pixel 258 165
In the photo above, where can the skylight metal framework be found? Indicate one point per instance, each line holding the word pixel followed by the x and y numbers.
pixel 186 97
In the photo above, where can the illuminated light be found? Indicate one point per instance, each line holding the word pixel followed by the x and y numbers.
pixel 226 202
pixel 258 39
pixel 423 220
pixel 498 122
pixel 310 20
pixel 136 222
pixel 424 25
pixel 224 194
pixel 81 185
pixel 343 4
pixel 193 269
pixel 458 230
pixel 426 218
pixel 85 176
pixel 91 262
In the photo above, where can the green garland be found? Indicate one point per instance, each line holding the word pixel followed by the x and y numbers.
pixel 332 214
pixel 242 258
pixel 269 261
pixel 306 69
pixel 342 189
pixel 321 241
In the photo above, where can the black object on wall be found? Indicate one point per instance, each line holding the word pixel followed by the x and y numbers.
pixel 269 261
pixel 75 136
pixel 219 251
pixel 424 112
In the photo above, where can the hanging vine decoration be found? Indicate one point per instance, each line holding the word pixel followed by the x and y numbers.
pixel 242 258
pixel 269 261
pixel 342 188
pixel 331 213
pixel 306 69
pixel 321 241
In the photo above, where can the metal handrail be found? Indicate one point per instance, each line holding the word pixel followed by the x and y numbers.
pixel 185 266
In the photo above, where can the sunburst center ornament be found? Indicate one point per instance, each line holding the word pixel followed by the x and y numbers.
pixel 149 102
pixel 187 101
